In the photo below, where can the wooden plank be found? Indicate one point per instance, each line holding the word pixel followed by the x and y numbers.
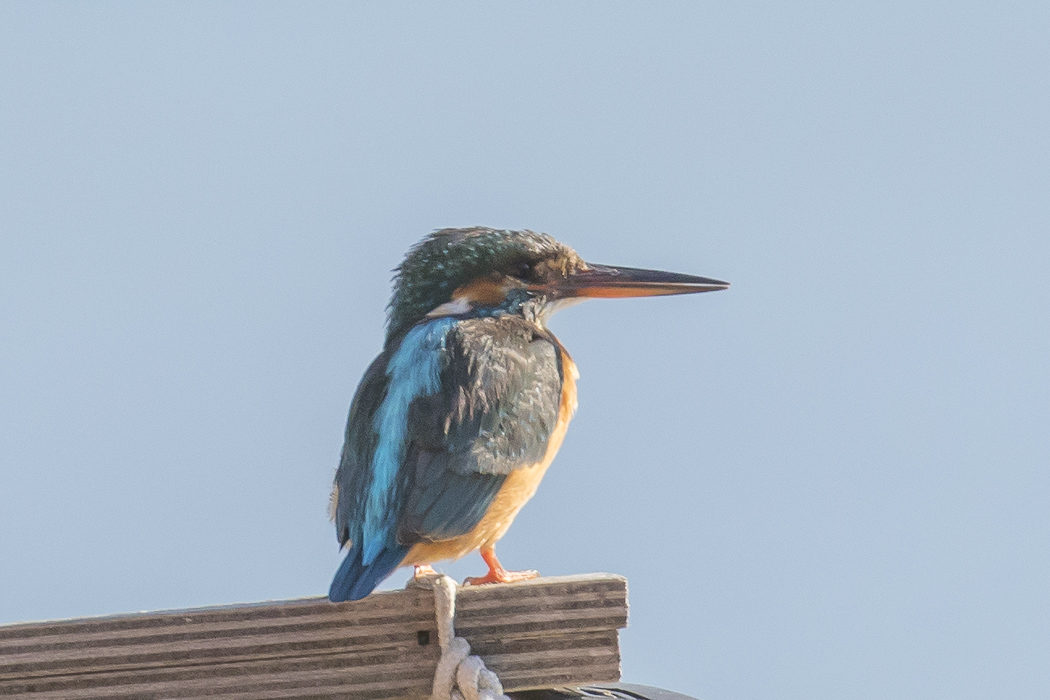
pixel 539 633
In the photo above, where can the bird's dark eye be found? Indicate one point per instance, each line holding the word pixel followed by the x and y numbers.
pixel 523 270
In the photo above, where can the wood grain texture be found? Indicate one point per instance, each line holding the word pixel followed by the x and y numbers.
pixel 540 633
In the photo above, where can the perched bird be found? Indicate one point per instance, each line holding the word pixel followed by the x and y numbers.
pixel 458 418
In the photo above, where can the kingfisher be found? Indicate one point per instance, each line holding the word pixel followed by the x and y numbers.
pixel 456 421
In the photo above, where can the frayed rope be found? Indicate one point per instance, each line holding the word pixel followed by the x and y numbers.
pixel 459 674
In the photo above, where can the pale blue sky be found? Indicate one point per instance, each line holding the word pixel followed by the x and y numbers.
pixel 829 482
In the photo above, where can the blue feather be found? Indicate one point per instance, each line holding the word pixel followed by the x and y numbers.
pixel 414 370
pixel 355 579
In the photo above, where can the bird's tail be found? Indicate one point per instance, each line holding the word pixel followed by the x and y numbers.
pixel 355 580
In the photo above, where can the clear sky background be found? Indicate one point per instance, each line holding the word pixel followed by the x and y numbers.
pixel 830 481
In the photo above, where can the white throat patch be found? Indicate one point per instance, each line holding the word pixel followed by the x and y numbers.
pixel 455 307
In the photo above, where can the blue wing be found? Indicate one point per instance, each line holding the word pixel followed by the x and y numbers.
pixel 435 427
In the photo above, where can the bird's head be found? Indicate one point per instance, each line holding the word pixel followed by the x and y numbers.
pixel 475 271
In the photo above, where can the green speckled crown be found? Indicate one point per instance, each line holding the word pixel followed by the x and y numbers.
pixel 450 258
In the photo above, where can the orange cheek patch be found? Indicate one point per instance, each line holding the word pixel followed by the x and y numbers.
pixel 483 290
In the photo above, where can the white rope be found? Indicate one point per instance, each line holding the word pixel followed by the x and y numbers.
pixel 459 675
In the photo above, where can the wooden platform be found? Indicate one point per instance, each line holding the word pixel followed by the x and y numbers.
pixel 541 633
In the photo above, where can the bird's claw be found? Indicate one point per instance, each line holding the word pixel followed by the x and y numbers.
pixel 423 577
pixel 500 576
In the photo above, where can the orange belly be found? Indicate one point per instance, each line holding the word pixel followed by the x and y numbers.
pixel 519 487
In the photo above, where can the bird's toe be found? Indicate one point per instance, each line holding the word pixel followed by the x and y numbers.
pixel 501 576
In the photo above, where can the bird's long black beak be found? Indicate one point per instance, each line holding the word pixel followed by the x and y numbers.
pixel 607 281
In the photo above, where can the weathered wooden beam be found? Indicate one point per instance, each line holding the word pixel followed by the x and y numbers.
pixel 540 633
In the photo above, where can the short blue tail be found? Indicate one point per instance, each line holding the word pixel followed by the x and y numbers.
pixel 354 580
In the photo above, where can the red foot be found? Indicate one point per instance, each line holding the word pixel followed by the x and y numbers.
pixel 423 570
pixel 500 576
pixel 497 574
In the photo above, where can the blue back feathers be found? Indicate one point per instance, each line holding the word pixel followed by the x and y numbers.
pixel 439 421
pixel 414 371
